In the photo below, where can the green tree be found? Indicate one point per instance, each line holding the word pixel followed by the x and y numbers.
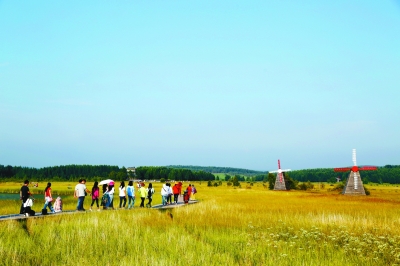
pixel 271 181
pixel 235 181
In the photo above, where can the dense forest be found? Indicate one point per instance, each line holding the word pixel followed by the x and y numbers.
pixel 65 172
pixel 386 174
pixel 167 173
pixel 215 169
pixel 98 172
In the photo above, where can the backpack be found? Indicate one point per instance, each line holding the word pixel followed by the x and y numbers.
pixel 28 203
pixel 149 192
pixel 104 199
pixel 96 193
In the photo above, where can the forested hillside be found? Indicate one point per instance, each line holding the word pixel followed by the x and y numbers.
pixel 152 172
pixel 97 172
pixel 215 169
pixel 386 174
pixel 64 172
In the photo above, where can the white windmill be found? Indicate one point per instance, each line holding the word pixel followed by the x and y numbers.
pixel 354 185
pixel 280 180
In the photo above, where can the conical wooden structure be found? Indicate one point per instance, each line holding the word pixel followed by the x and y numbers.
pixel 354 184
pixel 280 183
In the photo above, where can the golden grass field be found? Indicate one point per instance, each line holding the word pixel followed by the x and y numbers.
pixel 229 226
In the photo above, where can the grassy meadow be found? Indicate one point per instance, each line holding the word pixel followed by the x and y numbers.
pixel 229 226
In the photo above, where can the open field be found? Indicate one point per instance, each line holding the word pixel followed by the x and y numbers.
pixel 246 226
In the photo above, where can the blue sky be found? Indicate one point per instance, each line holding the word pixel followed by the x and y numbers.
pixel 209 83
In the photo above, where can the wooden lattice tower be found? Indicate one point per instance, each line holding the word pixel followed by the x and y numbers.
pixel 354 184
pixel 280 179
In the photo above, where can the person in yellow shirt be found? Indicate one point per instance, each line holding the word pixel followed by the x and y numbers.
pixel 143 194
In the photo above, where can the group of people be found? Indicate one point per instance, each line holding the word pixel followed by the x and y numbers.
pixel 48 199
pixel 167 192
pixel 107 200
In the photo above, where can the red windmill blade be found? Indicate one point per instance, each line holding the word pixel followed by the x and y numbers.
pixel 344 169
pixel 280 171
pixel 354 176
pixel 368 168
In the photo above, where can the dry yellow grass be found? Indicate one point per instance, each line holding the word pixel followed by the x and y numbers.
pixel 229 226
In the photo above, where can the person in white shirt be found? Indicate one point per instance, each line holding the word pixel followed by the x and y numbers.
pixel 164 194
pixel 110 192
pixel 122 195
pixel 80 193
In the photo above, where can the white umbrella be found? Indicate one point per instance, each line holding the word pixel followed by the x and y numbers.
pixel 107 181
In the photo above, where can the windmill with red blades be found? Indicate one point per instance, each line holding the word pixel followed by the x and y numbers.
pixel 354 185
pixel 280 179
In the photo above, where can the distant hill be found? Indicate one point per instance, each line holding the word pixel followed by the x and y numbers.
pixel 216 169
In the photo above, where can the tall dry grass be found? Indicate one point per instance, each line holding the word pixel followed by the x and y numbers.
pixel 229 226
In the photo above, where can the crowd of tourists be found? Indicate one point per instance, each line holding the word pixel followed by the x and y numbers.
pixel 127 195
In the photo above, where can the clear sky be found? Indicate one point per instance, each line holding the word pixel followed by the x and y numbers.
pixel 209 83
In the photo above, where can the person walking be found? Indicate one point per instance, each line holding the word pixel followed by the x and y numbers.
pixel 150 192
pixel 48 198
pixel 180 187
pixel 143 194
pixel 189 190
pixel 80 193
pixel 24 194
pixel 169 197
pixel 122 195
pixel 130 190
pixel 180 190
pixel 164 194
pixel 175 190
pixel 110 193
pixel 95 195
pixel 194 191
pixel 104 198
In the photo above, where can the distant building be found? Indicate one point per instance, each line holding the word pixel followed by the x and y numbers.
pixel 131 171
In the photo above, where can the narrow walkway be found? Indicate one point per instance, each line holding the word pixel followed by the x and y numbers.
pixel 39 214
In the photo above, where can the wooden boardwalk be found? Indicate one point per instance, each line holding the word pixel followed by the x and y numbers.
pixel 39 214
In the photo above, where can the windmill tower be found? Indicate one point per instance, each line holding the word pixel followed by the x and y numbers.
pixel 280 180
pixel 354 185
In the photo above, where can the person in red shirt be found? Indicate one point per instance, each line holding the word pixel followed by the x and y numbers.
pixel 48 198
pixel 180 188
pixel 175 190
pixel 189 190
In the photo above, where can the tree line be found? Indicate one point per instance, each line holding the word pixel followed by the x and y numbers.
pixel 64 172
pixel 97 172
pixel 167 173
pixel 385 174
pixel 215 169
